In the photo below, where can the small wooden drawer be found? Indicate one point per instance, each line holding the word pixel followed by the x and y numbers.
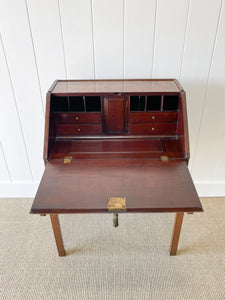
pixel 78 129
pixel 150 128
pixel 78 118
pixel 151 117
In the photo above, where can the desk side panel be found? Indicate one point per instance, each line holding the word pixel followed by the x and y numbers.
pixel 182 126
pixel 50 132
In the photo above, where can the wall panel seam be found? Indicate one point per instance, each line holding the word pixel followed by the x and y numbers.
pixel 93 39
pixel 16 107
pixel 63 45
pixel 206 88
pixel 35 58
pixel 5 160
pixel 218 25
pixel 185 35
pixel 154 38
pixel 124 4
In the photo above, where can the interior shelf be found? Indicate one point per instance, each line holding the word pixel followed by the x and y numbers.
pixel 154 103
pixel 117 148
pixel 76 104
pixel 170 102
pixel 93 103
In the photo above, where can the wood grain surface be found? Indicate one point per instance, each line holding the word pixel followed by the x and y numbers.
pixel 69 87
pixel 85 185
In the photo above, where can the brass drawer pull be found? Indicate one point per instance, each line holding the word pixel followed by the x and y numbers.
pixel 153 117
pixel 78 129
pixel 153 128
pixel 77 118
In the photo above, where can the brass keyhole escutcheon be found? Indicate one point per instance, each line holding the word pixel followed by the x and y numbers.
pixel 116 204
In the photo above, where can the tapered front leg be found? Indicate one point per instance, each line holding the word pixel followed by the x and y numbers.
pixel 57 234
pixel 176 232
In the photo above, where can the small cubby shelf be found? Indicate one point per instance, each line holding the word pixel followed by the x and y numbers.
pixel 76 104
pixel 154 103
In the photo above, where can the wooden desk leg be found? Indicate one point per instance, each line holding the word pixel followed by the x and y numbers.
pixel 176 232
pixel 57 234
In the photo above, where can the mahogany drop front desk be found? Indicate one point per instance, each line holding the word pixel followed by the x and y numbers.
pixel 116 146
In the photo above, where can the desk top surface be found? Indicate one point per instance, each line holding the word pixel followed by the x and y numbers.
pixel 85 185
pixel 116 86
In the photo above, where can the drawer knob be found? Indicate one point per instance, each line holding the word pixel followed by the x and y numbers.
pixel 77 118
pixel 153 128
pixel 78 129
pixel 153 117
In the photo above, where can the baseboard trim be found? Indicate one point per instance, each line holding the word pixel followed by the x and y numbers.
pixel 28 189
pixel 210 189
pixel 18 189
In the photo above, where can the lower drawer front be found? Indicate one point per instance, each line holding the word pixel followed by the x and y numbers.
pixel 156 128
pixel 78 129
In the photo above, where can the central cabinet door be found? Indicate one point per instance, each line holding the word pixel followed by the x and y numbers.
pixel 116 114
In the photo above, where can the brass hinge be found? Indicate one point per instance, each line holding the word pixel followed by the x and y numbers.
pixel 117 204
pixel 67 159
pixel 164 158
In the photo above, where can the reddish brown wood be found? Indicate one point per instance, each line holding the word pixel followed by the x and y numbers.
pixel 47 141
pixel 112 148
pixel 57 234
pixel 50 133
pixel 182 126
pixel 153 117
pixel 78 129
pixel 91 87
pixel 78 118
pixel 115 115
pixel 85 186
pixel 116 152
pixel 126 113
pixel 116 145
pixel 172 147
pixel 153 129
pixel 115 110
pixel 178 85
pixel 176 232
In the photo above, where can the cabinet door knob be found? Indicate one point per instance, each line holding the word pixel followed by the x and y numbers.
pixel 153 128
pixel 77 118
pixel 78 129
pixel 153 117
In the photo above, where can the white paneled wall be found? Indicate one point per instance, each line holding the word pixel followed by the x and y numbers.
pixel 170 27
pixel 108 32
pixel 76 22
pixel 139 32
pixel 86 39
pixel 46 33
